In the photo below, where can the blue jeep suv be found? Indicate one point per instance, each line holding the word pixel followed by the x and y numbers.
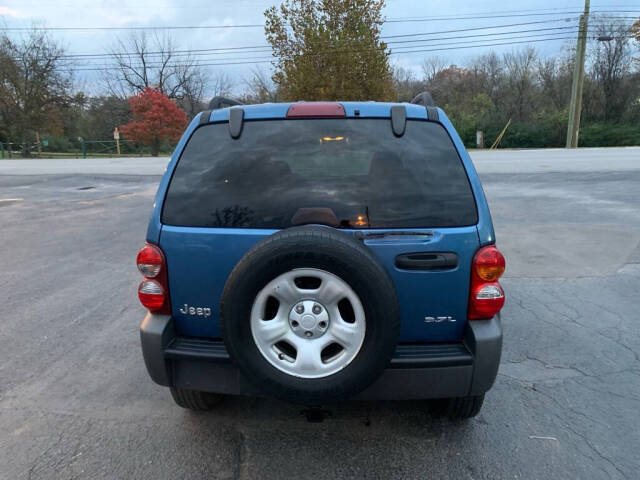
pixel 315 252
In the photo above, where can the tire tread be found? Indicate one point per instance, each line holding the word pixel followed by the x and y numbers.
pixel 458 408
pixel 194 399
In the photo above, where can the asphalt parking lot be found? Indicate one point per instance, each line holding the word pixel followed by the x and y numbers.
pixel 76 401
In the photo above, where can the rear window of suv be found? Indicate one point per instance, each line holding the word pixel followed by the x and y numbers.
pixel 348 173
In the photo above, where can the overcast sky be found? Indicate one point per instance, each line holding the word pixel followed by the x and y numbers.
pixel 101 13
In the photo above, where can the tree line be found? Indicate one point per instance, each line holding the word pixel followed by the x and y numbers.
pixel 332 52
pixel 534 93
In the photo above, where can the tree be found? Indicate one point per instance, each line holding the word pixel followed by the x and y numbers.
pixel 520 93
pixel 489 68
pixel 635 33
pixel 329 50
pixel 432 66
pixel 259 88
pixel 34 86
pixel 156 118
pixel 103 114
pixel 555 75
pixel 611 64
pixel 452 87
pixel 221 85
pixel 405 84
pixel 142 61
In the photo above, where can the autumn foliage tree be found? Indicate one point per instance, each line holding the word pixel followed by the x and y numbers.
pixel 156 118
pixel 329 50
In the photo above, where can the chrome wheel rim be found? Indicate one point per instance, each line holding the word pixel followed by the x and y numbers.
pixel 308 323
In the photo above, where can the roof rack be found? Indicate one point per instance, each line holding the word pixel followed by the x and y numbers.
pixel 222 102
pixel 425 99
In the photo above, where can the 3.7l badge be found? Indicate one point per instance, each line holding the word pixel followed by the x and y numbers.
pixel 446 319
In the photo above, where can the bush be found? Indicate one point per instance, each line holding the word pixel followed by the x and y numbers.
pixel 609 135
pixel 552 132
pixel 58 144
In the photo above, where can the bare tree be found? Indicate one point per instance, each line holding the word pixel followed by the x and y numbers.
pixel 611 64
pixel 520 92
pixel 490 69
pixel 555 76
pixel 431 67
pixel 142 60
pixel 221 85
pixel 260 88
pixel 406 85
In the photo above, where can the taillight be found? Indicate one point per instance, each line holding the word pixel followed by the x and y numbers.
pixel 150 260
pixel 486 296
pixel 153 291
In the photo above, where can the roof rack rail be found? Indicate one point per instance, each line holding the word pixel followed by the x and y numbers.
pixel 222 102
pixel 425 99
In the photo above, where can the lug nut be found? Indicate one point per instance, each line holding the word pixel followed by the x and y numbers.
pixel 308 334
pixel 322 324
pixel 300 308
pixel 316 309
pixel 294 324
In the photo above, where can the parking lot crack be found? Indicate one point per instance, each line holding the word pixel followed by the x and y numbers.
pixel 241 472
pixel 562 419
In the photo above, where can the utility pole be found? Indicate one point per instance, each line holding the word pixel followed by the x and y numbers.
pixel 575 107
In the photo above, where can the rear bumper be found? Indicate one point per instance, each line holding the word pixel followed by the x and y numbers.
pixel 415 372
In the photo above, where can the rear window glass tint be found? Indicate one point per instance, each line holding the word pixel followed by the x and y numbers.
pixel 348 173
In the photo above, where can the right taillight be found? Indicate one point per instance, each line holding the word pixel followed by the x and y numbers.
pixel 153 291
pixel 486 296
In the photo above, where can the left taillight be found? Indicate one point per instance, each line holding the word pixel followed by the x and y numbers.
pixel 486 296
pixel 153 291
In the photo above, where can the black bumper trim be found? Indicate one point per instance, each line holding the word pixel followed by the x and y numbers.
pixel 405 356
pixel 416 371
pixel 431 356
pixel 190 348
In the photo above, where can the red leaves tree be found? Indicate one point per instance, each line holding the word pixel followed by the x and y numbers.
pixel 155 119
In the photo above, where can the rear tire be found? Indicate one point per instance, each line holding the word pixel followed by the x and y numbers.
pixel 459 408
pixel 194 399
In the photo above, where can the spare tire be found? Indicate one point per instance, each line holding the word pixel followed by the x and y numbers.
pixel 310 315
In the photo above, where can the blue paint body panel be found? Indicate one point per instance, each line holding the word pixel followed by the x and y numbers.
pixel 199 260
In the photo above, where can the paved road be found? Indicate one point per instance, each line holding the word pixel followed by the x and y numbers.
pixel 487 161
pixel 76 402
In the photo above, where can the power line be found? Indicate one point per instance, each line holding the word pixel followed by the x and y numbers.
pixel 420 34
pixel 259 61
pixel 205 55
pixel 260 25
pixel 423 43
pixel 462 17
pixel 485 27
pixel 267 48
pixel 396 50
